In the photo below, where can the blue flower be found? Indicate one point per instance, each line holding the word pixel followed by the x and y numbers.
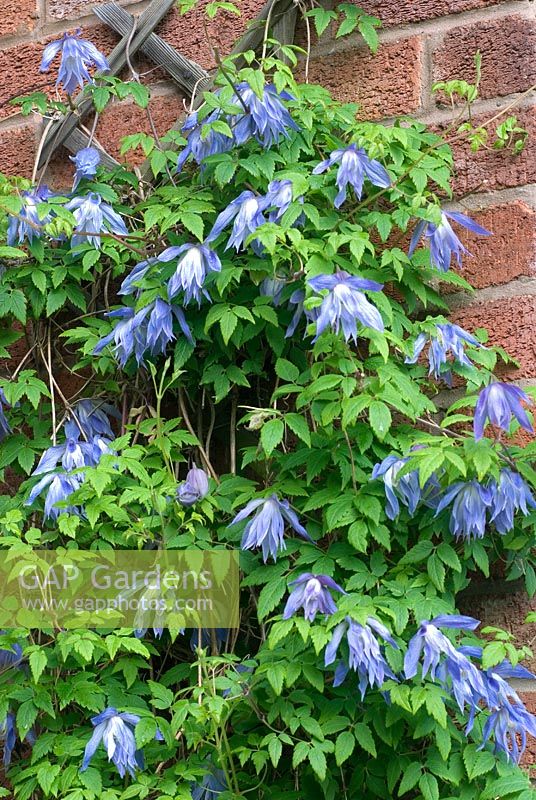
pixel 150 329
pixel 212 785
pixel 272 287
pixel 355 165
pixel 86 162
pixel 76 56
pixel 311 594
pixel 510 495
pixel 406 488
pixel 345 304
pixel 247 212
pixel 507 722
pixel 446 339
pixel 90 417
pixel 60 487
pixel 365 654
pixel 267 527
pixel 499 402
pixel 267 119
pixel 460 678
pixel 21 228
pixel 470 503
pixel 8 737
pixel 5 428
pixel 194 488
pixel 208 637
pixel 93 216
pixel 11 657
pixel 201 147
pixel 116 731
pixel 278 198
pixel 443 242
pixel 431 642
pixel 192 269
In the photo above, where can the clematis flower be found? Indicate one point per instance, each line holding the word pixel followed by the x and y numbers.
pixel 500 402
pixel 247 212
pixel 77 55
pixel 509 724
pixel 510 495
pixel 345 304
pixel 355 165
pixel 278 198
pixel 92 217
pixel 312 594
pixel 460 678
pixel 200 147
pixel 8 737
pixel 267 527
pixel 267 119
pixel 365 654
pixel 23 227
pixel 405 489
pixel 192 270
pixel 211 786
pixel 446 339
pixel 5 428
pixel 150 329
pixel 60 487
pixel 272 287
pixel 443 242
pixel 431 642
pixel 11 657
pixel 92 418
pixel 194 488
pixel 86 162
pixel 470 503
pixel 116 731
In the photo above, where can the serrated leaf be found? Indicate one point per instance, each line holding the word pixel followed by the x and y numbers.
pixel 299 426
pixel 477 762
pixel 344 747
pixel 410 778
pixel 365 738
pixel 317 760
pixel 38 662
pixel 429 787
pixel 380 418
pixel 272 433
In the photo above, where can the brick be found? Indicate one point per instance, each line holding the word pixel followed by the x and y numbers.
pixel 507 46
pixel 188 35
pixel 508 254
pixel 394 12
pixel 376 82
pixel 18 16
pixel 490 169
pixel 72 9
pixel 511 322
pixel 528 759
pixel 17 150
pixel 120 119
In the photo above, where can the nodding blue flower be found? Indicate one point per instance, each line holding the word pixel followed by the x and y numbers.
pixel 150 329
pixel 210 788
pixel 443 242
pixel 267 119
pixel 11 657
pixel 509 495
pixel 312 594
pixel 460 678
pixel 445 339
pixel 200 147
pixel 93 216
pixel 509 723
pixel 500 402
pixel 139 633
pixel 345 304
pixel 470 503
pixel 267 527
pixel 90 418
pixel 272 287
pixel 247 212
pixel 28 224
pixel 194 488
pixel 405 489
pixel 192 270
pixel 278 198
pixel 77 55
pixel 365 654
pixel 355 165
pixel 116 731
pixel 208 637
pixel 5 428
pixel 72 453
pixel 8 737
pixel 86 162
pixel 431 642
pixel 60 487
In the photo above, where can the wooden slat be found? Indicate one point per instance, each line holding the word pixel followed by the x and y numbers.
pixel 117 59
pixel 186 73
pixel 253 36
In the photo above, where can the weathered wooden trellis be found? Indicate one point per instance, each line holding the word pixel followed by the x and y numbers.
pixel 137 34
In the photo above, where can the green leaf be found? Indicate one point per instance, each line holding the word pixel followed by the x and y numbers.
pixel 299 426
pixel 286 370
pixel 275 749
pixel 270 596
pixel 228 323
pixel 140 94
pixel 55 300
pixel 162 697
pixel 38 662
pixel 477 762
pixel 493 654
pixel 344 747
pixel 194 223
pixel 317 760
pixel 145 731
pixel 429 787
pixel 380 418
pixel 365 738
pixel 46 775
pixel 410 778
pixel 272 433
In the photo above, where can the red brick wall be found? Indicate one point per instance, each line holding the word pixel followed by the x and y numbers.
pixel 421 41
